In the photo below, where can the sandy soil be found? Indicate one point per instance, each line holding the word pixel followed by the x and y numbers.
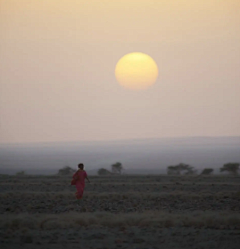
pixel 120 212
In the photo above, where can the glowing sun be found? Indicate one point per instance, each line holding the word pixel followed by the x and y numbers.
pixel 136 71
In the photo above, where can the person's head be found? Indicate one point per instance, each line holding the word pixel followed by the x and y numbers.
pixel 80 166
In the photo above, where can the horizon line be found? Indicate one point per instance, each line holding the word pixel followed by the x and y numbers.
pixel 111 140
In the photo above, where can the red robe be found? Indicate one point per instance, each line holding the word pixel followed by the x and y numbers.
pixel 79 181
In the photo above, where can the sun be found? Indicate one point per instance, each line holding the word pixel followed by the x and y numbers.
pixel 136 71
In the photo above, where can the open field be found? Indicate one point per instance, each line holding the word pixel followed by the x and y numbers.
pixel 127 211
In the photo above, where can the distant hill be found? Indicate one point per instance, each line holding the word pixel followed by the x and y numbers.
pixel 137 156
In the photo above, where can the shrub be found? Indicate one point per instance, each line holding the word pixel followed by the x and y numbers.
pixel 20 173
pixel 66 170
pixel 103 171
pixel 207 171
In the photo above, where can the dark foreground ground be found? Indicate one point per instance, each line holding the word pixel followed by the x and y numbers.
pixel 120 212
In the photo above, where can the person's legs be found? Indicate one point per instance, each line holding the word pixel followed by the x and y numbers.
pixel 79 192
pixel 78 195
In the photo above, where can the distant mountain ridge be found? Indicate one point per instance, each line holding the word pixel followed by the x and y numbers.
pixel 197 139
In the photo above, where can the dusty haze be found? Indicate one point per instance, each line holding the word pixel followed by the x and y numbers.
pixel 57 65
pixel 143 156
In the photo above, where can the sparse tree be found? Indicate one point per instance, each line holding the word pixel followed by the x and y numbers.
pixel 178 169
pixel 66 170
pixel 103 171
pixel 207 171
pixel 173 170
pixel 230 168
pixel 191 171
pixel 117 168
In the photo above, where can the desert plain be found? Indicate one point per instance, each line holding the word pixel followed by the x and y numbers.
pixel 125 211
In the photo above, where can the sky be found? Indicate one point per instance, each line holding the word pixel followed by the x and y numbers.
pixel 58 57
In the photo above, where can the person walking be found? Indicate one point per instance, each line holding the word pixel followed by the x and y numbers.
pixel 79 181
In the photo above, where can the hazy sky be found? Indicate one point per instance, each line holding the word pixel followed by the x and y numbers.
pixel 57 61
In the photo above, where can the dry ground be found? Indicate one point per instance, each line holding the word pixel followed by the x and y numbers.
pixel 120 212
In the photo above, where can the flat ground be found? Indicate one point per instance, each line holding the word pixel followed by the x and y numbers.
pixel 120 212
